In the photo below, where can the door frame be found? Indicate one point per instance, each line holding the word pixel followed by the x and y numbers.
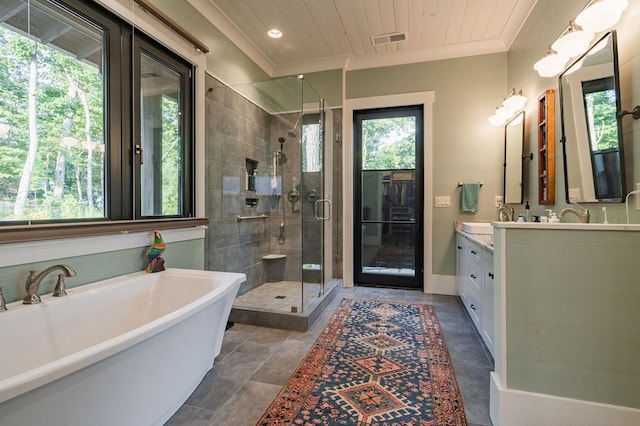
pixel 389 280
pixel 426 99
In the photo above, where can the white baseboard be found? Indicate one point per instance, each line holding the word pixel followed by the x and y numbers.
pixel 510 407
pixel 441 284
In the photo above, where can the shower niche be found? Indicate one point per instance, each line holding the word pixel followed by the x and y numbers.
pixel 251 175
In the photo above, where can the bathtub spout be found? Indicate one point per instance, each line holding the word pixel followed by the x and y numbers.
pixel 33 282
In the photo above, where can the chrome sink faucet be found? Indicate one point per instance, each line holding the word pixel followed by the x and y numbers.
pixel 506 211
pixel 583 216
pixel 33 283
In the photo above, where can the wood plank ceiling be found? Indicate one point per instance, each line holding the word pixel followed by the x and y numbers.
pixel 321 33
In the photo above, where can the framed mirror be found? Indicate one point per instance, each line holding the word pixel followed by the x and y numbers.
pixel 591 128
pixel 513 159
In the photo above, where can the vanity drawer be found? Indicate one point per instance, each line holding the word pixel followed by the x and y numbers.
pixel 475 252
pixel 474 277
pixel 473 304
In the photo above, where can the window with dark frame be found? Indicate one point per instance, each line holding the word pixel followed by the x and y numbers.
pixel 96 119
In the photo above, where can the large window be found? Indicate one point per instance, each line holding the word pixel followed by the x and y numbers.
pixel 95 118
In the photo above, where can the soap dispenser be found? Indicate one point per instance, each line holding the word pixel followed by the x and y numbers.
pixel 527 212
pixel 553 218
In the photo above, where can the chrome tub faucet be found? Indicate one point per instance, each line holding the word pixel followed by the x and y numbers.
pixel 33 283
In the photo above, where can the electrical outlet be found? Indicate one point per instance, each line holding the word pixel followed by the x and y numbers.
pixel 498 201
pixel 443 201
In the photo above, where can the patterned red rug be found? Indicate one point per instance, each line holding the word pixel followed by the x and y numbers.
pixel 375 363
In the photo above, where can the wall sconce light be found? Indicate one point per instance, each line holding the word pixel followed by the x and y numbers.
pixel 574 41
pixel 552 64
pixel 601 14
pixel 596 17
pixel 508 108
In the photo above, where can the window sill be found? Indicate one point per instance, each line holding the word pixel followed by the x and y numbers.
pixel 30 233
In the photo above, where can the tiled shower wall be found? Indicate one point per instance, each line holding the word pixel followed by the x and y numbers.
pixel 237 130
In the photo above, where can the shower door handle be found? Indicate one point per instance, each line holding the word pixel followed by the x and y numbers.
pixel 319 206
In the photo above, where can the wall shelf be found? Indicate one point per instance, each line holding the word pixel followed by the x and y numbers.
pixel 546 148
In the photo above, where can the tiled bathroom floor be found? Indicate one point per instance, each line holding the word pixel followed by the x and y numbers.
pixel 256 361
pixel 278 296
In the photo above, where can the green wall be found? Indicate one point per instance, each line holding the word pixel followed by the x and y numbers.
pixel 466 147
pixel 90 268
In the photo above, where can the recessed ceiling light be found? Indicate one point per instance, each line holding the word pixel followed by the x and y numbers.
pixel 274 33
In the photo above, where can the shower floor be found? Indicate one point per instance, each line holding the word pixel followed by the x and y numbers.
pixel 280 296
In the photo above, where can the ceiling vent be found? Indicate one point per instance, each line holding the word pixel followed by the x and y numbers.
pixel 388 38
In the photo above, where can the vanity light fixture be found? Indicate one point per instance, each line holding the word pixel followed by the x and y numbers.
pixel 274 33
pixel 596 17
pixel 552 64
pixel 515 101
pixel 508 108
pixel 601 14
pixel 574 41
pixel 497 121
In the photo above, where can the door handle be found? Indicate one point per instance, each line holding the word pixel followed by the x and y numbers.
pixel 139 151
pixel 318 205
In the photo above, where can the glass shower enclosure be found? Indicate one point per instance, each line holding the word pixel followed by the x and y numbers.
pixel 290 193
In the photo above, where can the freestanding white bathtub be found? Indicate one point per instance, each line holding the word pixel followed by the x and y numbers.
pixel 123 351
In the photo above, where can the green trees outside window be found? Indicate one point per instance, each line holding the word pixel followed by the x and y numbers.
pixel 51 132
pixel 95 117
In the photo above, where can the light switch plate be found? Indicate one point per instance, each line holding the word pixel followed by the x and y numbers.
pixel 574 194
pixel 443 201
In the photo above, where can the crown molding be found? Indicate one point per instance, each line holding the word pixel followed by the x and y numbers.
pixel 337 62
pixel 426 55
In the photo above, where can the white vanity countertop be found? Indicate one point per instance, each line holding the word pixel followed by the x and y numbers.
pixel 484 240
pixel 570 226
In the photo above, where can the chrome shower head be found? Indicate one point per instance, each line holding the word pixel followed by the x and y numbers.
pixel 292 133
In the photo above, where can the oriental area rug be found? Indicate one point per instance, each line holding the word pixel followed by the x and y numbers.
pixel 375 363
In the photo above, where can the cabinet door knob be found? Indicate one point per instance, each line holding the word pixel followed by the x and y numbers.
pixel 473 276
pixel 491 275
pixel 472 306
pixel 459 247
pixel 474 252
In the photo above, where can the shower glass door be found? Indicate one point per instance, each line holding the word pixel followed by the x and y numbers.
pixel 316 208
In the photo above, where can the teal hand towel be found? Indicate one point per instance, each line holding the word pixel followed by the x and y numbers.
pixel 469 197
